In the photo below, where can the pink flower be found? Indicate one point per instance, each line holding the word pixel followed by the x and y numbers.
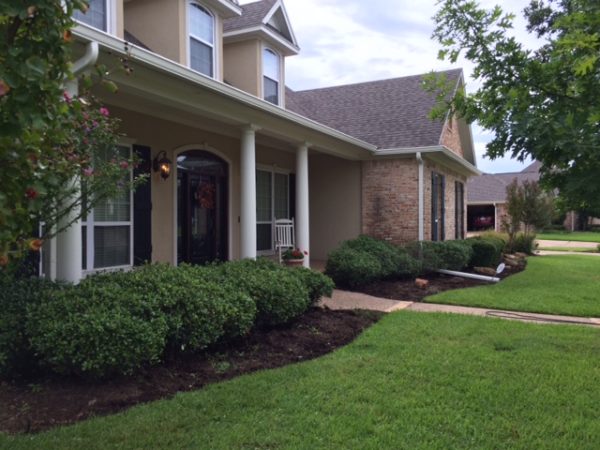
pixel 104 111
pixel 124 165
pixel 67 97
pixel 88 171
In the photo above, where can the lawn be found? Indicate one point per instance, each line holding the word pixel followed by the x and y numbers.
pixel 577 236
pixel 413 381
pixel 565 284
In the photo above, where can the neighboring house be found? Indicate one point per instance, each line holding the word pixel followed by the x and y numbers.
pixel 208 94
pixel 486 205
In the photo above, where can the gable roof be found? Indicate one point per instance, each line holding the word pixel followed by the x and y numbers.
pixel 491 187
pixel 266 16
pixel 391 113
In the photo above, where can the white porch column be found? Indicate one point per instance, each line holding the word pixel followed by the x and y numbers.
pixel 248 194
pixel 69 242
pixel 302 206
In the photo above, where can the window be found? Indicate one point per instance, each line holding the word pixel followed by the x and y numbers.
pixel 438 207
pixel 459 205
pixel 107 231
pixel 202 39
pixel 272 203
pixel 271 76
pixel 96 15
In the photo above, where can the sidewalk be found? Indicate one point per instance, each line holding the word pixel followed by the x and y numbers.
pixel 355 300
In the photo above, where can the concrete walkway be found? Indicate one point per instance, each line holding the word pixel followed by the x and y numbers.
pixel 355 300
pixel 566 244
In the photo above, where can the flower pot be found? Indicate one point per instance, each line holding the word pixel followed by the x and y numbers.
pixel 293 262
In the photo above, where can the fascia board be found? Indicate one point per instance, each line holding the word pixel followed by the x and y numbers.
pixel 159 63
pixel 265 33
pixel 437 150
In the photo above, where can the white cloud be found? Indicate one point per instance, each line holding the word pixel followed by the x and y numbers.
pixel 350 41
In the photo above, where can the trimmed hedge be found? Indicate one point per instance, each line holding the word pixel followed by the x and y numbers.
pixel 116 323
pixel 485 253
pixel 365 260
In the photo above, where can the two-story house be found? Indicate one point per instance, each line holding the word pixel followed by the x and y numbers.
pixel 230 149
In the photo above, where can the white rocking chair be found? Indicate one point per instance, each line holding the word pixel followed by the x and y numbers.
pixel 285 233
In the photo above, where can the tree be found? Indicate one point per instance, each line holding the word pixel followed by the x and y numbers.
pixel 542 103
pixel 51 144
pixel 528 207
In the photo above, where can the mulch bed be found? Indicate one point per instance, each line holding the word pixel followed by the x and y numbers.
pixel 407 291
pixel 38 405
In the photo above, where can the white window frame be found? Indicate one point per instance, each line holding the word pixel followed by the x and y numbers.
pixel 90 224
pixel 272 170
pixel 191 36
pixel 279 82
pixel 111 18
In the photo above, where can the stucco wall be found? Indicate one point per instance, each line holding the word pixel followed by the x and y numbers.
pixel 242 66
pixel 335 203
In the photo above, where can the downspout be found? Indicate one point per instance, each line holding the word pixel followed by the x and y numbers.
pixel 421 225
pixel 496 217
pixel 66 253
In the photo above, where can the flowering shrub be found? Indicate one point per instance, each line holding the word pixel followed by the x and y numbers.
pixel 293 254
pixel 51 144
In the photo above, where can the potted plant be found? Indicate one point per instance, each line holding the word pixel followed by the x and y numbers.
pixel 293 257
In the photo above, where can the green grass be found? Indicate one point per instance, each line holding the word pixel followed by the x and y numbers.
pixel 565 284
pixel 414 381
pixel 577 236
pixel 570 249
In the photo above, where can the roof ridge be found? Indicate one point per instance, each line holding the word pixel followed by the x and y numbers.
pixel 360 83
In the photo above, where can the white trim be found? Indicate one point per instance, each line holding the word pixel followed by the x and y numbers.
pixel 265 33
pixel 165 65
pixel 110 19
pixel 279 5
pixel 437 149
pixel 280 82
pixel 90 223
pixel 190 35
pixel 206 148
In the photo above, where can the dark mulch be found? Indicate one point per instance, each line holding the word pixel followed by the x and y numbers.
pixel 42 404
pixel 407 291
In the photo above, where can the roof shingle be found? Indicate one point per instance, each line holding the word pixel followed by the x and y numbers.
pixel 253 15
pixel 390 113
pixel 491 187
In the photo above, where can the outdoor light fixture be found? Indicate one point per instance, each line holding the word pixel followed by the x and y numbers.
pixel 162 164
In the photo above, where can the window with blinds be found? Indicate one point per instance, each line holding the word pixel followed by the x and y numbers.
pixel 96 15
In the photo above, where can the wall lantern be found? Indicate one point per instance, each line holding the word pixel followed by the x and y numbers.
pixel 162 164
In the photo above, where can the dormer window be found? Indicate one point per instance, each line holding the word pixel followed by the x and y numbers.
pixel 96 15
pixel 202 39
pixel 271 76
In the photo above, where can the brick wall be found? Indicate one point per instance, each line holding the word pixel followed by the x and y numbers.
pixel 390 199
pixel 501 216
pixel 451 137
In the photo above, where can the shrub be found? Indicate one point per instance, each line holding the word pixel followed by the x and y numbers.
pixel 318 284
pixel 280 296
pixel 427 254
pixel 351 268
pixel 16 296
pixel 484 253
pixel 455 255
pixel 389 256
pixel 524 243
pixel 96 331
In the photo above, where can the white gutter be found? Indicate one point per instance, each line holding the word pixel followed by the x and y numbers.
pixel 88 59
pixel 421 197
pixel 161 64
pixel 432 150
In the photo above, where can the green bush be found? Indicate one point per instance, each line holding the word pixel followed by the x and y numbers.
pixel 485 253
pixel 16 296
pixel 96 331
pixel 427 254
pixel 455 255
pixel 318 284
pixel 280 296
pixel 351 268
pixel 388 255
pixel 523 243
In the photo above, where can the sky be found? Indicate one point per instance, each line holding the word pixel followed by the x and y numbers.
pixel 351 41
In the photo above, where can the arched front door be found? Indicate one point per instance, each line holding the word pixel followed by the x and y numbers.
pixel 201 207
